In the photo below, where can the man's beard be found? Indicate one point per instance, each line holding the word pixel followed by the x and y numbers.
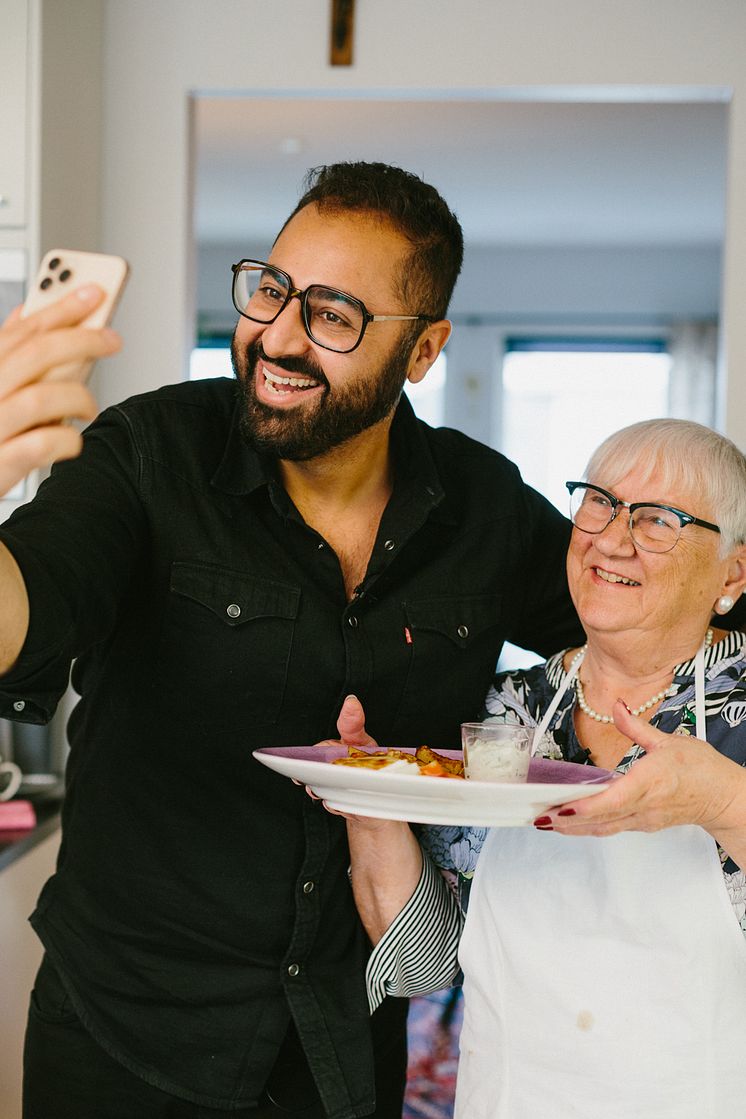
pixel 336 415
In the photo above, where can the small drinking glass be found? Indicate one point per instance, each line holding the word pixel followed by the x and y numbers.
pixel 496 751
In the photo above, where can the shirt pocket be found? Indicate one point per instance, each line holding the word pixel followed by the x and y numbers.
pixel 455 643
pixel 226 644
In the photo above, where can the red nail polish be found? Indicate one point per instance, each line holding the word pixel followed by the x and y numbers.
pixel 543 821
pixel 566 812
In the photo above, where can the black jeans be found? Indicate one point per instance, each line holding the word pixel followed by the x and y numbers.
pixel 67 1075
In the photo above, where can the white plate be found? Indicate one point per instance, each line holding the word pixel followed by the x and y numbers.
pixel 434 800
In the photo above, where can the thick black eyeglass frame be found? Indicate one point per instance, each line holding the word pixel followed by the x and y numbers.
pixel 302 295
pixel 616 502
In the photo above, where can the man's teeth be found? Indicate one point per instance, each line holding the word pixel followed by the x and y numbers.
pixel 274 382
pixel 610 577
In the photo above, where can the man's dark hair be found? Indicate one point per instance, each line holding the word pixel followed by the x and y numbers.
pixel 413 208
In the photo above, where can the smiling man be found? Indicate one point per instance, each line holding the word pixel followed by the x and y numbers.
pixel 224 563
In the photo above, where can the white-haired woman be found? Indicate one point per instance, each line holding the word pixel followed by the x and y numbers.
pixel 603 977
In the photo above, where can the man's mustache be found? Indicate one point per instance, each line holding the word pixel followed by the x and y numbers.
pixel 299 365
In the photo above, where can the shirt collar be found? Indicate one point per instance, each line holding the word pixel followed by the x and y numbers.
pixel 731 646
pixel 242 470
pixel 415 473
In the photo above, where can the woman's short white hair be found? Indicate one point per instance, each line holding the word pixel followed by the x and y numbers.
pixel 687 455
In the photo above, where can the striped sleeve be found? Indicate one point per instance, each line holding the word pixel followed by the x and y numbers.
pixel 418 952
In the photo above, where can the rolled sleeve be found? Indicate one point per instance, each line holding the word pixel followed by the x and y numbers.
pixel 31 690
pixel 418 953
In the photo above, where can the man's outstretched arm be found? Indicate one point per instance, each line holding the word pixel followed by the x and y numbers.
pixel 34 431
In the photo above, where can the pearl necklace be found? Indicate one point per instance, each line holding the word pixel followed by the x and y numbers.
pixel 588 710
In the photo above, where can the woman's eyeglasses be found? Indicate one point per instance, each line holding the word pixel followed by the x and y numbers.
pixel 653 527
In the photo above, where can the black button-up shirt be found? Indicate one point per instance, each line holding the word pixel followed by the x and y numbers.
pixel 201 898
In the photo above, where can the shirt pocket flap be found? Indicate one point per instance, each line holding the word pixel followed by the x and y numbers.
pixel 462 619
pixel 233 596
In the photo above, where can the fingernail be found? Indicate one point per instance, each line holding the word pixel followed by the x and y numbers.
pixel 87 293
pixel 543 822
pixel 566 812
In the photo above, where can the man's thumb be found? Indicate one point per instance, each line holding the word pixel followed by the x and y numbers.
pixel 351 724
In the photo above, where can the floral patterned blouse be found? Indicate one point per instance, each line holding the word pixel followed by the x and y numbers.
pixel 435 912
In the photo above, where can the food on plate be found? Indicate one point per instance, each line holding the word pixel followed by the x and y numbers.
pixel 378 760
pixel 426 756
pixel 423 762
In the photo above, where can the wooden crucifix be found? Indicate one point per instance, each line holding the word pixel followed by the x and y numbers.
pixel 342 26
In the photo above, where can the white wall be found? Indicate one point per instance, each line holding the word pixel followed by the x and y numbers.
pixel 157 54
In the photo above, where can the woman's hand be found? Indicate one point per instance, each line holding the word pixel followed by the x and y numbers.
pixel 33 412
pixel 681 780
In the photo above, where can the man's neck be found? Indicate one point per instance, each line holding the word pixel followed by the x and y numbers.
pixel 342 495
pixel 357 473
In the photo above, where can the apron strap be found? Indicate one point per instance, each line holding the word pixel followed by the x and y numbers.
pixel 699 693
pixel 569 677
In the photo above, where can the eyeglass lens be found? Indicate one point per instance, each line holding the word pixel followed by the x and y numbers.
pixel 332 319
pixel 653 528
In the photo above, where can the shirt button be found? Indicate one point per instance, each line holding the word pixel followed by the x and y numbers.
pixel 308 887
pixel 390 545
pixel 293 970
pixel 19 705
pixel 233 611
pixel 463 631
pixel 352 621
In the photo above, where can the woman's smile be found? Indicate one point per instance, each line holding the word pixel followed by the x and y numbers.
pixel 612 577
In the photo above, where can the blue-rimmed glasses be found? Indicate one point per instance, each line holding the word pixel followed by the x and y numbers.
pixel 653 527
pixel 332 319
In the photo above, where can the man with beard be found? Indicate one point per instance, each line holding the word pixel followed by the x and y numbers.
pixel 223 567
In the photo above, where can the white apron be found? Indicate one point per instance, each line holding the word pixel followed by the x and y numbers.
pixel 604 978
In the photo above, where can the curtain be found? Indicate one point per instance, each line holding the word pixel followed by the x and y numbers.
pixel 693 349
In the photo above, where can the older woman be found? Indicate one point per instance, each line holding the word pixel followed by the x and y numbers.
pixel 603 977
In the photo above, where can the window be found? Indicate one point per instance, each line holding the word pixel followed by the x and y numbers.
pixel 562 397
pixel 210 361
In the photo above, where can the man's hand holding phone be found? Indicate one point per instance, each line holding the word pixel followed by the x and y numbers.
pixel 45 355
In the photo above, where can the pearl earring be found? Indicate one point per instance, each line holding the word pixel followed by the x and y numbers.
pixel 724 604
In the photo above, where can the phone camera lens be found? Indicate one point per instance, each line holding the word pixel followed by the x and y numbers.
pixel 65 274
pixel 54 263
pixel 46 283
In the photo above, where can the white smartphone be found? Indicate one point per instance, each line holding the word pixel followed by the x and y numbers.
pixel 61 271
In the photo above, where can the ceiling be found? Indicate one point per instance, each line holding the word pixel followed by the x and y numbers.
pixel 519 173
